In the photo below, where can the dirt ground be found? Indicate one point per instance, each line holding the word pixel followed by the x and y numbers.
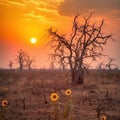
pixel 28 94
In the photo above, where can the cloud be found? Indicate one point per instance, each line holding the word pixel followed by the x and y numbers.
pixel 37 10
pixel 33 16
pixel 70 7
pixel 43 11
pixel 17 3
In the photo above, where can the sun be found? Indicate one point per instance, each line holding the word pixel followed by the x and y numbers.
pixel 33 40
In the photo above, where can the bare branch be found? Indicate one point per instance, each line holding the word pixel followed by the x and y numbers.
pixel 86 41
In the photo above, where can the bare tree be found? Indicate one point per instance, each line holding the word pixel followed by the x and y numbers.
pixel 100 65
pixel 86 41
pixel 52 59
pixel 110 65
pixel 10 64
pixel 29 62
pixel 20 58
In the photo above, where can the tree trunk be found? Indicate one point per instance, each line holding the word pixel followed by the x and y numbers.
pixel 73 76
pixel 21 67
pixel 29 68
pixel 78 78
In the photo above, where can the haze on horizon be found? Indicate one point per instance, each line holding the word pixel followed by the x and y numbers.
pixel 21 20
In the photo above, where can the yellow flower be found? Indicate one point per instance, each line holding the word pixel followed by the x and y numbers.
pixel 103 117
pixel 4 103
pixel 54 96
pixel 68 92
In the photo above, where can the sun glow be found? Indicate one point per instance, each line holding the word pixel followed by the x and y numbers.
pixel 33 40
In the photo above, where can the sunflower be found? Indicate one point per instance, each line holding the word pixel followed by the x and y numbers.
pixel 68 92
pixel 4 103
pixel 54 97
pixel 103 117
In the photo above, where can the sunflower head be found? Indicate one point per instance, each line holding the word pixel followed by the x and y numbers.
pixel 54 97
pixel 103 117
pixel 68 92
pixel 4 103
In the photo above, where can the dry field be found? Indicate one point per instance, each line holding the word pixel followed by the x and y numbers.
pixel 28 94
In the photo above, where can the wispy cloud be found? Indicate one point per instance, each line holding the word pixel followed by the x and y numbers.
pixel 38 10
pixel 9 2
pixel 41 10
pixel 33 16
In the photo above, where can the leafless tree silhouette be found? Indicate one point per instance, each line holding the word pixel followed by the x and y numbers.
pixel 29 62
pixel 86 41
pixel 10 64
pixel 20 58
pixel 100 65
pixel 24 60
pixel 52 66
pixel 110 65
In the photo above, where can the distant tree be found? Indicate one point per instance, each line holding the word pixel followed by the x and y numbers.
pixel 10 64
pixel 29 62
pixel 52 66
pixel 52 63
pixel 86 41
pixel 110 65
pixel 100 65
pixel 20 58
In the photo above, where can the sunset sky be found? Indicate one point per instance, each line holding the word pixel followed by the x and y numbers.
pixel 21 20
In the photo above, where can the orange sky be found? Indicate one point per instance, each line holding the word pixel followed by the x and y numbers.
pixel 22 19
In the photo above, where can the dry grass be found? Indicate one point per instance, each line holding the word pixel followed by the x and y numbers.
pixel 28 93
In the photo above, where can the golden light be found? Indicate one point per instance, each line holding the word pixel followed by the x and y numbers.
pixel 33 40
